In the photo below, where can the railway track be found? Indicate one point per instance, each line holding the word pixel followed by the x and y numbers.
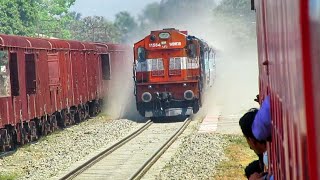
pixel 133 156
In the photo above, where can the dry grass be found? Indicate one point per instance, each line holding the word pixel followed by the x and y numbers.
pixel 238 156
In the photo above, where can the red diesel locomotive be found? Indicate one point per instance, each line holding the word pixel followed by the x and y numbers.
pixel 288 34
pixel 46 83
pixel 171 72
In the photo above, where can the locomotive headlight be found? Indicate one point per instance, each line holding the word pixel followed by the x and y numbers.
pixel 184 84
pixel 146 97
pixel 149 87
pixel 188 95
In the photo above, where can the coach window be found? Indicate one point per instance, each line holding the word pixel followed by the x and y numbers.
pixel 105 65
pixel 31 83
pixel 4 74
pixel 14 74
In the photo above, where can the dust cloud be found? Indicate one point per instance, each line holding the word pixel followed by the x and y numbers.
pixel 120 102
pixel 236 83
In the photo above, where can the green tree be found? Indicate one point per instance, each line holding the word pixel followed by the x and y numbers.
pixel 53 18
pixel 126 24
pixel 94 29
pixel 35 17
pixel 18 17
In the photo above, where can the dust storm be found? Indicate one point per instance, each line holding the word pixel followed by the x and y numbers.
pixel 236 83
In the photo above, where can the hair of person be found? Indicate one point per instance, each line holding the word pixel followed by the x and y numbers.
pixel 253 167
pixel 246 122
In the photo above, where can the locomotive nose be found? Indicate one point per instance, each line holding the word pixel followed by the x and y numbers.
pixel 188 95
pixel 146 97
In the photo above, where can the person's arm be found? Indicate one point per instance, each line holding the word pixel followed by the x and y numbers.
pixel 261 126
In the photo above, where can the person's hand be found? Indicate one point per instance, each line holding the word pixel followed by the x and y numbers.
pixel 257 99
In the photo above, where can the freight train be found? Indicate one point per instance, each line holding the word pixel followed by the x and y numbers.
pixel 51 83
pixel 172 70
pixel 288 34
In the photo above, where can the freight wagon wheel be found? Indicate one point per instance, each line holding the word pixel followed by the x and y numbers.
pixel 13 138
pixel 45 126
pixel 82 114
pixel 77 116
pixel 87 111
pixel 33 131
pixel 53 123
pixel 72 115
pixel 94 109
pixel 22 133
pixel 2 144
pixel 62 119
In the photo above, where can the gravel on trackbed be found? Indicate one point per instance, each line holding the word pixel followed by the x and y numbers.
pixel 56 152
pixel 197 157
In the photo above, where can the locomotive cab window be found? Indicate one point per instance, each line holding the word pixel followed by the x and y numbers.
pixel 14 74
pixel 141 54
pixel 105 65
pixel 192 50
pixel 31 83
pixel 4 74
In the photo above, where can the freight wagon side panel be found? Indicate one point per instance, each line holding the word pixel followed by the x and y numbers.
pixel 56 95
pixel 315 61
pixel 69 75
pixel 63 58
pixel 84 84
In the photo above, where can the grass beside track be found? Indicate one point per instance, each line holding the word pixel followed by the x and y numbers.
pixel 4 176
pixel 238 156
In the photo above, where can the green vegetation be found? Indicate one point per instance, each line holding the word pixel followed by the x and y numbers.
pixel 238 156
pixel 5 176
pixel 53 18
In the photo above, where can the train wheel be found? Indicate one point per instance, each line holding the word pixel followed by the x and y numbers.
pixel 87 111
pixel 22 134
pixel 72 117
pixel 77 117
pixel 3 140
pixel 45 126
pixel 53 123
pixel 2 144
pixel 33 131
pixel 13 138
pixel 62 119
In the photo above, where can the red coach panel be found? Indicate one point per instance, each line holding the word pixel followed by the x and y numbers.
pixel 293 70
pixel 38 43
pixel 59 44
pixel 14 41
pixel 61 49
pixel 315 61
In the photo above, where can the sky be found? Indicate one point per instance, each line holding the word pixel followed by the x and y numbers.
pixel 108 8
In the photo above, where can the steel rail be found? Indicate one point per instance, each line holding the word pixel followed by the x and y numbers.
pixel 74 173
pixel 148 164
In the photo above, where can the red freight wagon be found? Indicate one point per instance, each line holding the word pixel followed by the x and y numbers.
pixel 49 82
pixel 288 35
